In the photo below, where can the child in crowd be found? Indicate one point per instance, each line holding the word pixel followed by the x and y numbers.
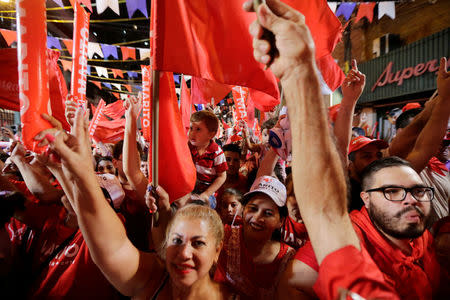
pixel 208 157
pixel 231 207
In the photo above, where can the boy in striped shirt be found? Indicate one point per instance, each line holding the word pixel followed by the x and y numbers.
pixel 208 157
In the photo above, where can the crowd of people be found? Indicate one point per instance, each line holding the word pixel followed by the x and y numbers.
pixel 334 216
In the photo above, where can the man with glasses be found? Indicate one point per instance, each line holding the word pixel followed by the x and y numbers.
pixel 392 226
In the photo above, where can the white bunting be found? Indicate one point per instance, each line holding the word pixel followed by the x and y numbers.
pixel 94 48
pixel 123 96
pixel 386 8
pixel 144 53
pixel 117 86
pixel 102 71
pixel 333 6
pixel 102 5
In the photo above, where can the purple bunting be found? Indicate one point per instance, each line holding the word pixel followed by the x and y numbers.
pixel 109 50
pixel 134 5
pixel 88 69
pixel 53 42
pixel 59 2
pixel 132 74
pixel 108 85
pixel 346 10
pixel 176 78
pixel 138 87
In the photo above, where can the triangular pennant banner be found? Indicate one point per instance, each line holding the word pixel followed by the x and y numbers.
pixel 333 6
pixel 386 8
pixel 109 50
pixel 144 53
pixel 9 36
pixel 128 87
pixel 53 42
pixel 59 2
pixel 132 74
pixel 134 5
pixel 117 86
pixel 117 73
pixel 98 84
pixel 66 64
pixel 365 11
pixel 128 53
pixel 94 48
pixel 69 45
pixel 346 10
pixel 102 5
pixel 101 71
pixel 116 95
pixel 108 85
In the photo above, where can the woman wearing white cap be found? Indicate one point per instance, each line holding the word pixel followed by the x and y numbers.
pixel 253 258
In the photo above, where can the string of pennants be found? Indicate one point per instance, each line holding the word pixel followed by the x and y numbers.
pixel 102 5
pixel 365 10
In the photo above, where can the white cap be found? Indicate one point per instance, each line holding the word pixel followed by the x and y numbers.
pixel 112 184
pixel 270 186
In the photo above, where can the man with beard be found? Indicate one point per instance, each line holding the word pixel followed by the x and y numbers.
pixel 391 226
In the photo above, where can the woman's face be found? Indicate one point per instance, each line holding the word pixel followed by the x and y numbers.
pixel 106 167
pixel 191 251
pixel 261 218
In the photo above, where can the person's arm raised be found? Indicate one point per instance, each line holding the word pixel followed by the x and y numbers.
pixel 126 268
pixel 131 159
pixel 352 88
pixel 318 175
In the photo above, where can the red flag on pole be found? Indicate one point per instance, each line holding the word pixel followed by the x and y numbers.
pixel 174 155
pixel 202 90
pixel 114 110
pixel 209 34
pixel 146 104
pixel 240 94
pixel 96 118
pixel 80 53
pixel 185 104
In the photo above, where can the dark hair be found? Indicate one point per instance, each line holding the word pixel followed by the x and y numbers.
pixel 209 118
pixel 269 124
pixel 405 118
pixel 351 156
pixel 10 202
pixel 3 156
pixel 118 149
pixel 374 167
pixel 232 148
pixel 102 158
pixel 233 192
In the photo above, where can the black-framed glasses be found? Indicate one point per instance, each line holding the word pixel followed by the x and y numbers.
pixel 398 193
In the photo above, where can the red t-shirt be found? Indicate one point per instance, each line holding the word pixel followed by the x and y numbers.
pixel 208 165
pixel 236 267
pixel 293 233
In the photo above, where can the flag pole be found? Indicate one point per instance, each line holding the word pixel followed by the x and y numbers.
pixel 155 126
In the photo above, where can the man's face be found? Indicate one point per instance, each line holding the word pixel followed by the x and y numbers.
pixel 399 219
pixel 265 136
pixel 118 164
pixel 365 156
pixel 233 162
pixel 144 168
pixel 199 135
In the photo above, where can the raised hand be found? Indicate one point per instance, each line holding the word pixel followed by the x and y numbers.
pixel 133 106
pixel 443 80
pixel 7 133
pixel 354 83
pixel 71 107
pixel 292 37
pixel 158 203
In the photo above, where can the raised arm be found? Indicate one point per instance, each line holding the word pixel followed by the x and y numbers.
pixel 131 159
pixel 352 88
pixel 430 138
pixel 125 267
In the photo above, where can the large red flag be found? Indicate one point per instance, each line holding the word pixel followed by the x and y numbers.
pixel 185 104
pixel 114 110
pixel 209 39
pixel 203 90
pixel 174 155
pixel 96 118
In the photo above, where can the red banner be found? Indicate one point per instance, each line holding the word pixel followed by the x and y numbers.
pixel 146 120
pixel 33 73
pixel 80 53
pixel 185 104
pixel 240 94
pixel 96 118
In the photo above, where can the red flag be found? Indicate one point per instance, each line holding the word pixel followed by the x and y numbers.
pixel 58 88
pixel 174 154
pixel 108 135
pixel 96 118
pixel 185 104
pixel 262 102
pixel 365 11
pixel 128 52
pixel 114 110
pixel 80 53
pixel 205 39
pixel 326 31
pixel 202 90
pixel 97 83
pixel 240 94
pixel 117 72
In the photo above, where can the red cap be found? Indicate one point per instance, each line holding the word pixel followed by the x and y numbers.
pixel 411 106
pixel 362 141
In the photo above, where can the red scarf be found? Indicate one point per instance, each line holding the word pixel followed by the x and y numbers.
pixel 413 276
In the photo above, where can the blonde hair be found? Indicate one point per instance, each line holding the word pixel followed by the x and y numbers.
pixel 194 211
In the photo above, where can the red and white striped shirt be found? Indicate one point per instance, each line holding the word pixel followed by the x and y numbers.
pixel 211 163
